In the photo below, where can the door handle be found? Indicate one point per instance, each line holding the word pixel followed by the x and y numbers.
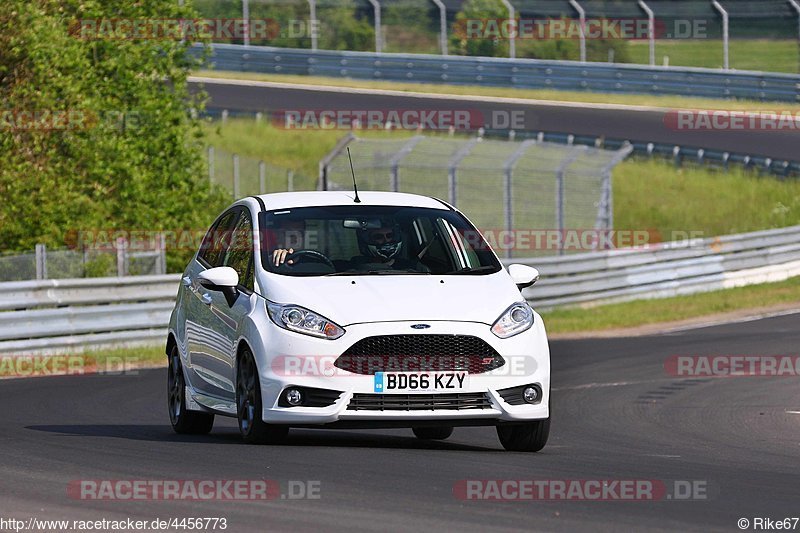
pixel 187 281
pixel 206 299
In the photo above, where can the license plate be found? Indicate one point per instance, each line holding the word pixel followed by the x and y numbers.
pixel 420 381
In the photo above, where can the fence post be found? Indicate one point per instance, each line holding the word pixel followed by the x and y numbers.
pixel 290 180
pixel 442 26
pixel 560 200
pixel 376 5
pixel 235 176
pixel 41 261
pixel 262 177
pixel 122 257
pixel 246 21
pixel 582 19
pixel 394 162
pixel 508 189
pixel 211 165
pixel 452 166
pixel 512 21
pixel 725 40
pixel 312 12
pixel 161 264
pixel 651 29
pixel 796 7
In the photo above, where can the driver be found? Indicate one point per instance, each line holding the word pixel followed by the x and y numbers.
pixel 291 233
pixel 382 247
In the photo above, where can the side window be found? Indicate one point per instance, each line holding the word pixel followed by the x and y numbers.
pixel 216 241
pixel 239 255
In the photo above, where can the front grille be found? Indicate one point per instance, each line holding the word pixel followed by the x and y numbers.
pixel 412 353
pixel 458 401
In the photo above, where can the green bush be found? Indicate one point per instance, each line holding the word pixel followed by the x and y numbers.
pixel 131 158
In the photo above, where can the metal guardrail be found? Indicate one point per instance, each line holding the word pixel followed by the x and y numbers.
pixel 505 72
pixel 667 269
pixel 63 315
pixel 679 154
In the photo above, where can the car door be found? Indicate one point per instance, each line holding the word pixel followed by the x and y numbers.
pixel 230 315
pixel 207 336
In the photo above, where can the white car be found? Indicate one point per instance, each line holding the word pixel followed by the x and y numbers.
pixel 340 310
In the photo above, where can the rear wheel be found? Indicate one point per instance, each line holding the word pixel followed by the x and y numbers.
pixel 433 433
pixel 183 420
pixel 530 437
pixel 249 406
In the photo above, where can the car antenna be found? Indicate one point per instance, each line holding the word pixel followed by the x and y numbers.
pixel 355 187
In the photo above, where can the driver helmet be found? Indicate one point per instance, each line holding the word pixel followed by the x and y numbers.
pixel 384 243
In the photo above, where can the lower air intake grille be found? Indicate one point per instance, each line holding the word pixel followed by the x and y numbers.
pixel 419 402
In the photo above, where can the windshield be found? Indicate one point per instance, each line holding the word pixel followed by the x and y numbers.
pixel 372 240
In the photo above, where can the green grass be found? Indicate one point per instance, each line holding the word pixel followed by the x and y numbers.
pixel 109 360
pixel 670 102
pixel 653 194
pixel 644 312
pixel 649 194
pixel 745 54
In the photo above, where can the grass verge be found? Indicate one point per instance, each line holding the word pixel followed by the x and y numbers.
pixel 768 55
pixel 646 312
pixel 670 102
pixel 108 361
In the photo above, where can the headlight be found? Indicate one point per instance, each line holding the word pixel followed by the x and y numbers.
pixel 301 320
pixel 515 319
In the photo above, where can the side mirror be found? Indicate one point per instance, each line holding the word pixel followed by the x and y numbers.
pixel 222 279
pixel 523 275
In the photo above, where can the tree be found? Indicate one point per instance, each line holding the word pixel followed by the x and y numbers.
pixel 112 144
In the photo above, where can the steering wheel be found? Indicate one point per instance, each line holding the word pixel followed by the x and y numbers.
pixel 314 255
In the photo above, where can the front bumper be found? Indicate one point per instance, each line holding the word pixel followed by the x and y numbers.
pixel 294 360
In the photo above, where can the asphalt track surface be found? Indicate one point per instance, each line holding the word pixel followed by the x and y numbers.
pixel 618 122
pixel 617 415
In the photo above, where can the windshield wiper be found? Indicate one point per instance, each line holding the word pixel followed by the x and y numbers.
pixel 469 270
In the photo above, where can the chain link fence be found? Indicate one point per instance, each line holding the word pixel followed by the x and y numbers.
pixel 116 260
pixel 517 190
pixel 245 176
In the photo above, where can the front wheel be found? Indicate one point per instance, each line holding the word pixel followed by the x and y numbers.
pixel 530 437
pixel 433 433
pixel 249 406
pixel 183 420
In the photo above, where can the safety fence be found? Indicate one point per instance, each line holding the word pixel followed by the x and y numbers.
pixel 506 72
pixel 533 184
pixel 65 315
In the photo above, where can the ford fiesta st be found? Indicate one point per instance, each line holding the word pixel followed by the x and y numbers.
pixel 330 310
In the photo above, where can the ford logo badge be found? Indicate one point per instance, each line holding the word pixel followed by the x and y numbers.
pixel 420 326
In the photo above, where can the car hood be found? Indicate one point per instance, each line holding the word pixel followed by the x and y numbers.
pixel 350 300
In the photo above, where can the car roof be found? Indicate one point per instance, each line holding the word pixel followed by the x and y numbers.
pixel 288 200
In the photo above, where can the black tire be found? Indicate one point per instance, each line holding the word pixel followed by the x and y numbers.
pixel 433 433
pixel 249 407
pixel 530 437
pixel 183 421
